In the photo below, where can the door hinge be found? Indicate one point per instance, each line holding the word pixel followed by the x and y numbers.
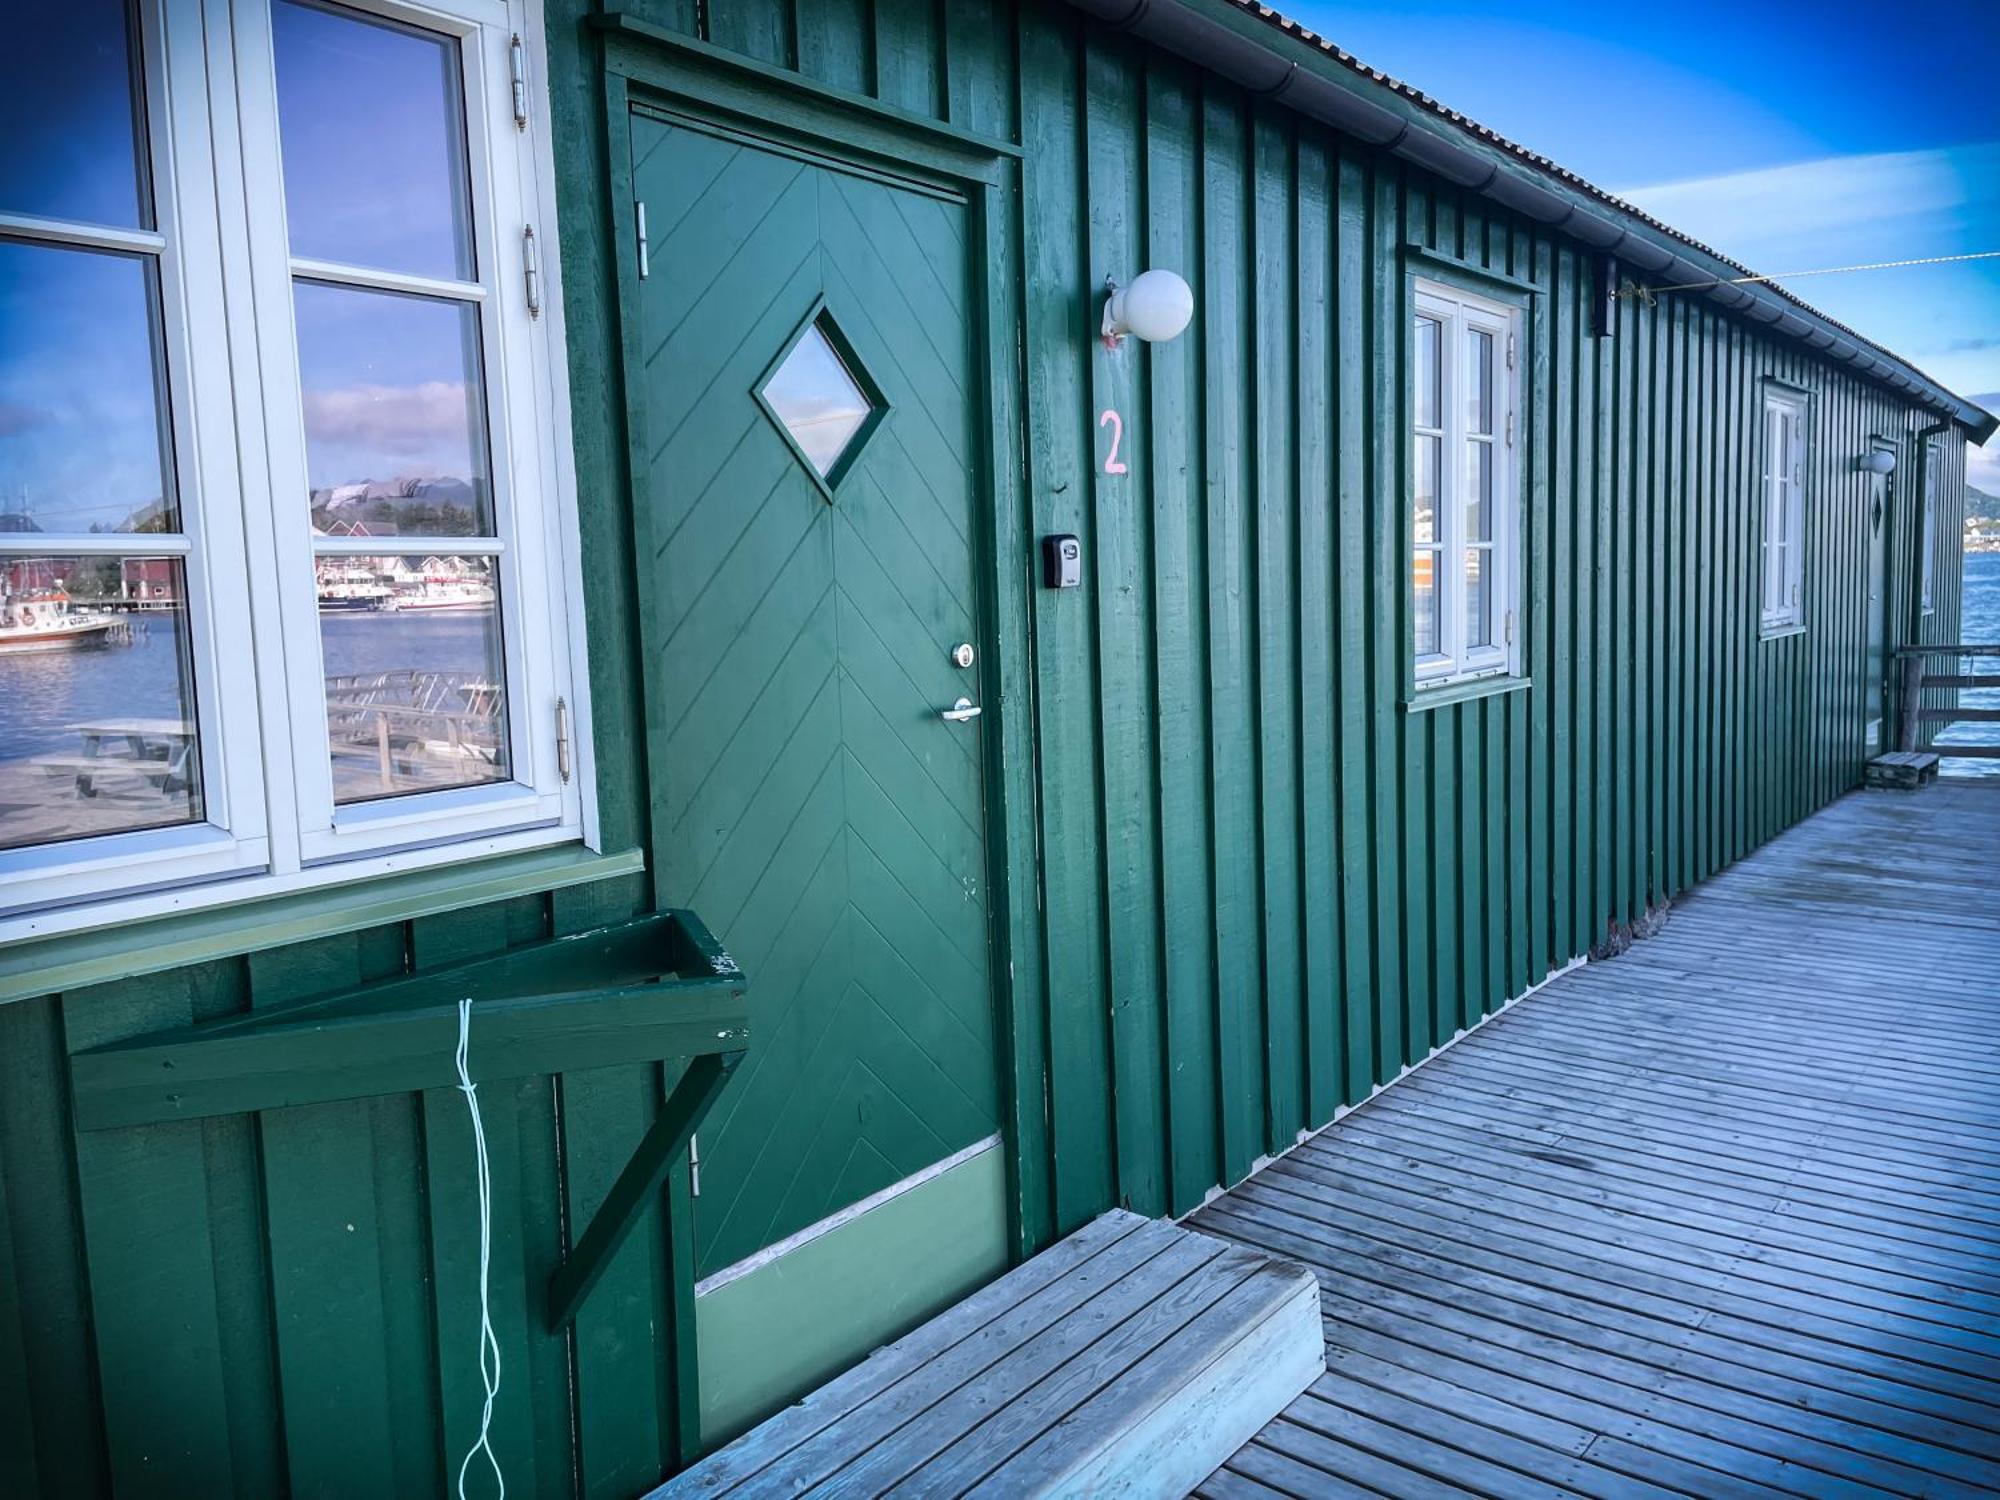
pixel 1510 429
pixel 562 739
pixel 531 271
pixel 645 253
pixel 1510 351
pixel 694 1166
pixel 517 65
pixel 1510 627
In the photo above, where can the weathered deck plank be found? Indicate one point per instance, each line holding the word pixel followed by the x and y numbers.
pixel 1127 1360
pixel 1720 1216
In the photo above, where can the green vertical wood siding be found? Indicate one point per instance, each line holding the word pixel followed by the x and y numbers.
pixel 1249 886
pixel 1265 886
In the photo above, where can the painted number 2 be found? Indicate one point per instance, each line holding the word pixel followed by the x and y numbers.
pixel 1113 464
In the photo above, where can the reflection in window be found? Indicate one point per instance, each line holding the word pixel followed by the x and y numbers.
pixel 70 134
pixel 82 446
pixel 98 730
pixel 415 684
pixel 372 126
pixel 820 402
pixel 394 413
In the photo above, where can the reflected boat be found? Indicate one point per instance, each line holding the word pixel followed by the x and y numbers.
pixel 440 594
pixel 42 620
pixel 353 586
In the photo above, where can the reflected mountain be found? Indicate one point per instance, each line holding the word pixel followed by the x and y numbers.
pixel 437 505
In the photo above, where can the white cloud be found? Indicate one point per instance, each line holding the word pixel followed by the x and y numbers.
pixel 1839 209
pixel 424 421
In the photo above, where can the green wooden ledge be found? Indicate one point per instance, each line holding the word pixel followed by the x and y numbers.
pixel 647 990
pixel 66 961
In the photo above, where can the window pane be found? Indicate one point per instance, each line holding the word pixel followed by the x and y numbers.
pixel 1430 457
pixel 415 691
pixel 1479 492
pixel 98 732
pixel 81 442
pixel 1430 400
pixel 69 115
pixel 395 413
pixel 1478 598
pixel 372 124
pixel 1424 573
pixel 1478 380
pixel 821 404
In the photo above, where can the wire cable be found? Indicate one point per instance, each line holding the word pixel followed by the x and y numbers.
pixel 489 1346
pixel 1873 265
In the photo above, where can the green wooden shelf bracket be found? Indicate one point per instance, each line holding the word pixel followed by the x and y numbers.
pixel 638 1184
pixel 656 988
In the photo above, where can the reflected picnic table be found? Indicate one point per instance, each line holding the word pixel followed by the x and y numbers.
pixel 400 724
pixel 156 751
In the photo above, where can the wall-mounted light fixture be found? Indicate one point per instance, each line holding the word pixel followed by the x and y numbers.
pixel 1877 461
pixel 1154 308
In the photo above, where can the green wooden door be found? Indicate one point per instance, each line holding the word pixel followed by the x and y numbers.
pixel 808 385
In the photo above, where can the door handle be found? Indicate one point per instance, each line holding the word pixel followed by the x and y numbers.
pixel 959 712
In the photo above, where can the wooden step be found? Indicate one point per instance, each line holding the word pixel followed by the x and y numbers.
pixel 1131 1359
pixel 1904 769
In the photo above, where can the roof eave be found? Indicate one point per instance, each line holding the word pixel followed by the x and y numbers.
pixel 1262 51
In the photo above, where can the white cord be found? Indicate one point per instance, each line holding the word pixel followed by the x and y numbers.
pixel 488 1344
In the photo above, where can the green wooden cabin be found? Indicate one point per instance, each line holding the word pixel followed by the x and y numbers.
pixel 1484 564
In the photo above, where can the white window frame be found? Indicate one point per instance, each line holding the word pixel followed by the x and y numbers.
pixel 1459 311
pixel 1782 508
pixel 269 821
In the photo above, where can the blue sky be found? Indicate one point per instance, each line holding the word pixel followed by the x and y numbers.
pixel 1789 136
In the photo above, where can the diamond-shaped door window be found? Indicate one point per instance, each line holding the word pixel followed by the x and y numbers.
pixel 821 397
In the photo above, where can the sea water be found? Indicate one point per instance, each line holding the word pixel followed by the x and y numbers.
pixel 44 695
pixel 1979 622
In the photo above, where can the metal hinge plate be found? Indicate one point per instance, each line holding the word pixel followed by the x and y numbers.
pixel 531 271
pixel 694 1166
pixel 562 739
pixel 517 65
pixel 645 251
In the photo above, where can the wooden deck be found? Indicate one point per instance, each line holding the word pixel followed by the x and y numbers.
pixel 1719 1217
pixel 1127 1360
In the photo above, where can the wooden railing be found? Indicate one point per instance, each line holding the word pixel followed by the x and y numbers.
pixel 1917 677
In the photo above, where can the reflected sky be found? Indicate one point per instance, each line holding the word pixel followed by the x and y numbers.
pixel 80 438
pixel 392 391
pixel 816 398
pixel 372 126
pixel 69 135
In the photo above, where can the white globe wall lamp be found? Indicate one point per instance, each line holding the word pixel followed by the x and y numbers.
pixel 1156 307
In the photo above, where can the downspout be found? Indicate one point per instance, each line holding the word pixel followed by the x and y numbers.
pixel 1924 438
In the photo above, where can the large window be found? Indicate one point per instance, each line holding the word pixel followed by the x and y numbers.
pixel 1465 518
pixel 1782 557
pixel 286 586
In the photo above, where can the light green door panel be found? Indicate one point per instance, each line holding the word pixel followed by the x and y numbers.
pixel 770 1336
pixel 813 806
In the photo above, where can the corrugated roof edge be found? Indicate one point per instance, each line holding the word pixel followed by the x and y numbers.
pixel 1274 56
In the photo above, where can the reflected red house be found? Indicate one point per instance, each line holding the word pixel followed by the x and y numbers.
pixel 154 580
